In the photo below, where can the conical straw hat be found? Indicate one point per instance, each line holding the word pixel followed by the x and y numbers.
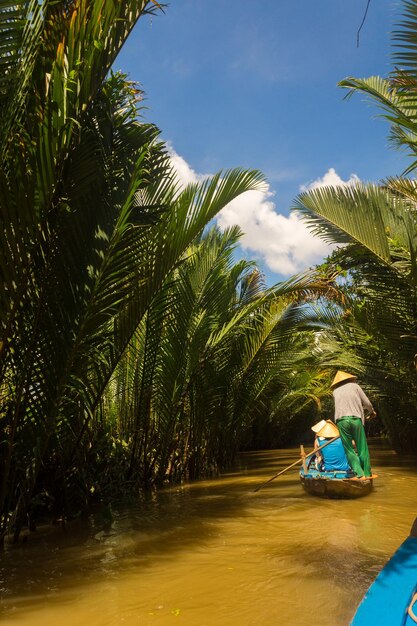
pixel 329 430
pixel 342 377
pixel 318 426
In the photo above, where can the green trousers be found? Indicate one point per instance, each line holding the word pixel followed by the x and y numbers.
pixel 351 427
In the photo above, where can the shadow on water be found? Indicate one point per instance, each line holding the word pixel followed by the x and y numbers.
pixel 158 526
pixel 340 564
pixel 162 527
pixel 180 517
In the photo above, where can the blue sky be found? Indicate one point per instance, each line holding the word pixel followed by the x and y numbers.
pixel 238 83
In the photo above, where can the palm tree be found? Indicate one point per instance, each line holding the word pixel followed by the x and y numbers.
pixel 377 226
pixel 121 323
pixel 214 351
pixel 92 224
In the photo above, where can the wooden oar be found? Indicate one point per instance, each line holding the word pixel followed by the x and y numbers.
pixel 296 463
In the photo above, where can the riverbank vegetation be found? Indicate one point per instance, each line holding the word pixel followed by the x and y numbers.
pixel 135 349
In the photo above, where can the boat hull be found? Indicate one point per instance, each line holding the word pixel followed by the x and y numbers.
pixel 333 487
pixel 391 599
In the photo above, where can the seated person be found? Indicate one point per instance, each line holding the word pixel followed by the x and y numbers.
pixel 332 457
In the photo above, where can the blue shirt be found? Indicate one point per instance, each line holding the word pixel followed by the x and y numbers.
pixel 334 457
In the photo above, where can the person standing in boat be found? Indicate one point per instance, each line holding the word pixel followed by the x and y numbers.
pixel 332 458
pixel 350 404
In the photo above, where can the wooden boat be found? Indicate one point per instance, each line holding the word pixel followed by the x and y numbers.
pixel 334 484
pixel 331 484
pixel 392 599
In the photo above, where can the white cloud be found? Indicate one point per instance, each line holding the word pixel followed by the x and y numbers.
pixel 330 179
pixel 283 242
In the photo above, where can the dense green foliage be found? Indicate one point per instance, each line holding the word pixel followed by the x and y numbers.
pixel 130 341
pixel 214 351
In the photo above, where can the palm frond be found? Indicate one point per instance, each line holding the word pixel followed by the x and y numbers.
pixel 365 214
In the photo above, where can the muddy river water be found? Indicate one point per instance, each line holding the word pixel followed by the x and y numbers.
pixel 214 553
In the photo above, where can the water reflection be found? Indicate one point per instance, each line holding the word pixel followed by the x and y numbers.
pixel 215 553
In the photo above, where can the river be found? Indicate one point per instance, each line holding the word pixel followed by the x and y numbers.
pixel 214 553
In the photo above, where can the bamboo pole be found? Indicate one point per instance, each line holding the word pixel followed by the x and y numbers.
pixel 303 459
